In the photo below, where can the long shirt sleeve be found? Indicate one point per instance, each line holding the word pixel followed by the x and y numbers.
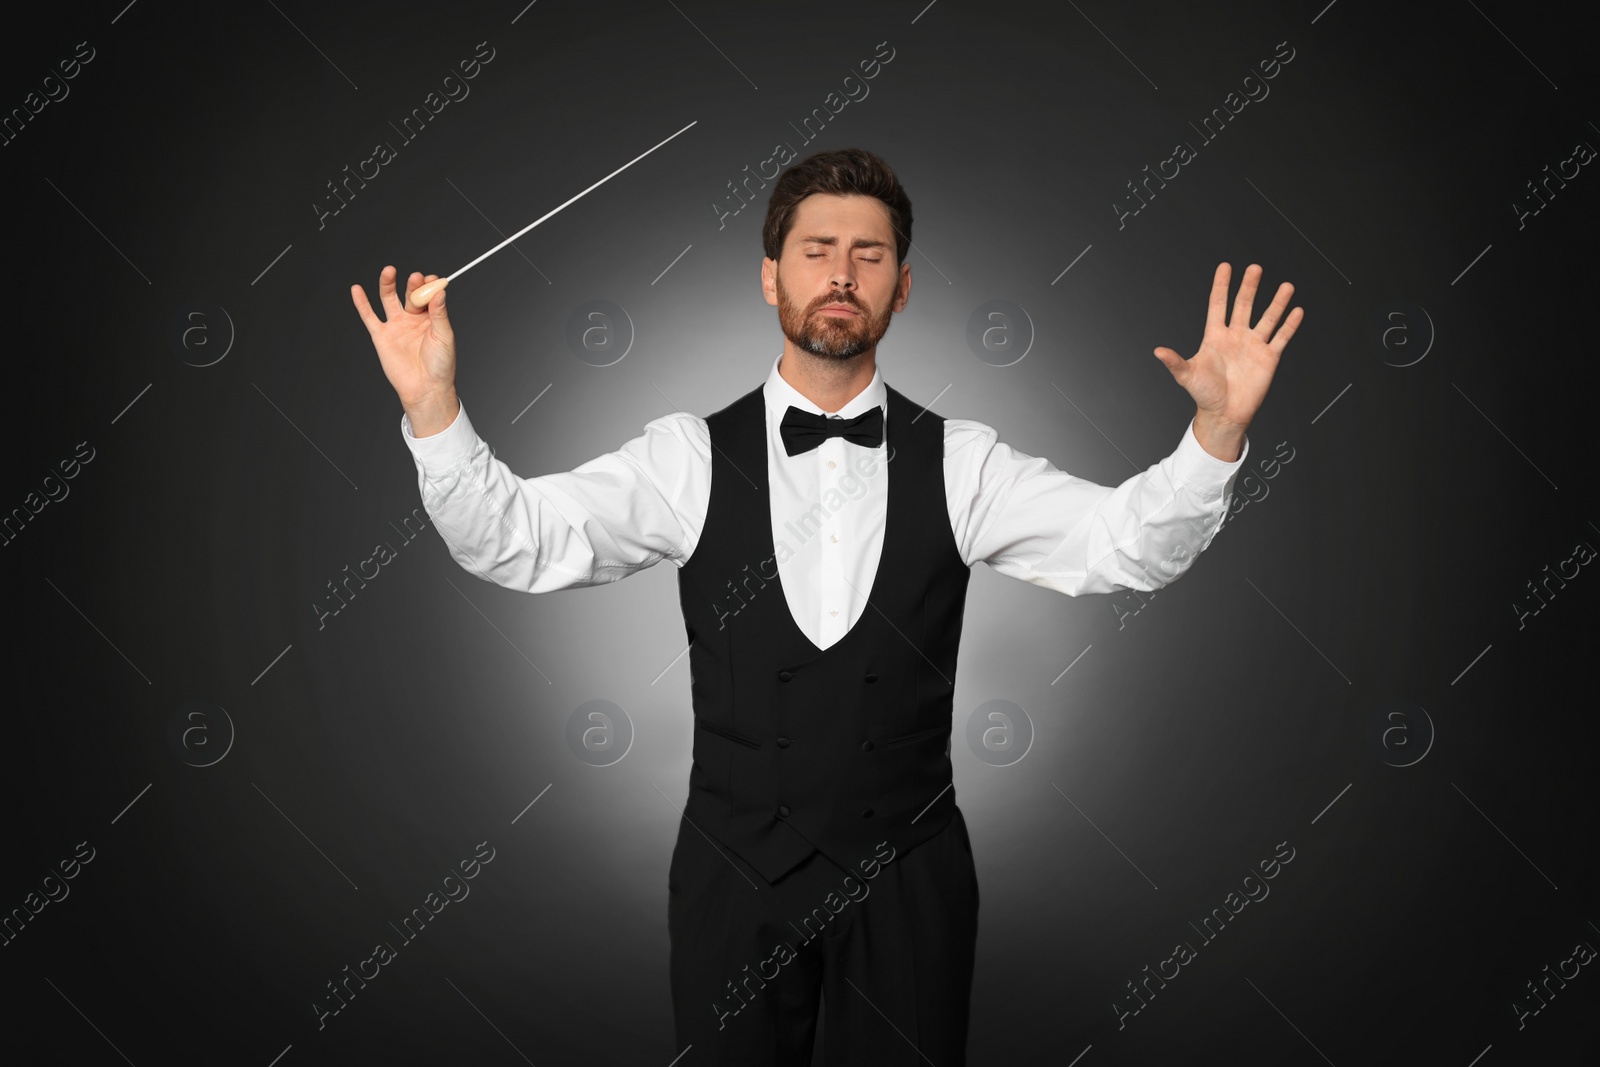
pixel 1037 524
pixel 611 516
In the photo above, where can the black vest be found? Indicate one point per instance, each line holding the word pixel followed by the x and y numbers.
pixel 798 748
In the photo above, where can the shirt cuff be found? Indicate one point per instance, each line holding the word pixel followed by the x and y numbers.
pixel 1199 471
pixel 443 451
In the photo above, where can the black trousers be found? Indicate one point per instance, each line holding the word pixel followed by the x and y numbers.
pixel 892 954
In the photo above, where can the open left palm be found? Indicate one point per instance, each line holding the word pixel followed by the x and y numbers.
pixel 1229 375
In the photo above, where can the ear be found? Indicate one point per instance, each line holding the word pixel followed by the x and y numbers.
pixel 902 291
pixel 769 280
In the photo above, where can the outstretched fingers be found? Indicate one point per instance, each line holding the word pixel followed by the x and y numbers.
pixel 369 318
pixel 386 291
pixel 389 296
pixel 1217 308
pixel 1269 317
pixel 1286 331
pixel 1245 302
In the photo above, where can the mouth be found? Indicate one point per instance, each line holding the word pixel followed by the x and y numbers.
pixel 837 309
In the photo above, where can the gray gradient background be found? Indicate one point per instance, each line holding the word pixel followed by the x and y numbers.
pixel 372 755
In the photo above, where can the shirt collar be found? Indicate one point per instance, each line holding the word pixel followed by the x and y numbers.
pixel 780 394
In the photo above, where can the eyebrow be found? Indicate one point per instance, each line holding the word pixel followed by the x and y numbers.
pixel 859 242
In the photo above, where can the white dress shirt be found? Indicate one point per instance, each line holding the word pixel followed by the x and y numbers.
pixel 647 501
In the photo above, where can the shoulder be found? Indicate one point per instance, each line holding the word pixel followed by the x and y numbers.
pixel 968 440
pixel 683 427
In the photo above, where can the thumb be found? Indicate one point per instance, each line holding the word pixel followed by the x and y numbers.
pixel 437 313
pixel 1173 362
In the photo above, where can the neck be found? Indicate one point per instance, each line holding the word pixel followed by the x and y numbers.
pixel 828 383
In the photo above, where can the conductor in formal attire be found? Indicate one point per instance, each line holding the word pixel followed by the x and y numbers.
pixel 824 526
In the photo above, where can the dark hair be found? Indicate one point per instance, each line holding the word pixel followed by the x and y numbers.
pixel 842 172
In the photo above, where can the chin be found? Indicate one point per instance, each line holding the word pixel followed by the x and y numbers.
pixel 826 351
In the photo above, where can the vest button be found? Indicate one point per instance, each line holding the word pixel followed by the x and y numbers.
pixel 866 813
pixel 872 677
pixel 784 676
pixel 783 742
pixel 783 811
pixel 866 746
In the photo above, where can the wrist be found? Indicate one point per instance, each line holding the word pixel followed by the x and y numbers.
pixel 434 413
pixel 1218 436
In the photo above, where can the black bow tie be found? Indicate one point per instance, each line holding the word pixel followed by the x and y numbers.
pixel 802 431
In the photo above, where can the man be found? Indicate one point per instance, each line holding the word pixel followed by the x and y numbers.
pixel 824 527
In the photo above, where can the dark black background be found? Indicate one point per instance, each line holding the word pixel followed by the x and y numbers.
pixel 1382 564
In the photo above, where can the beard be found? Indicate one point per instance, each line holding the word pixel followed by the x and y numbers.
pixel 830 336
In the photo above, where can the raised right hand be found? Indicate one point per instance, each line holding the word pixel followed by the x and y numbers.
pixel 417 348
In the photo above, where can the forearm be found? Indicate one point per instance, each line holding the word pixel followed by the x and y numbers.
pixel 501 528
pixel 1141 534
pixel 497 525
pixel 1146 533
pixel 595 524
